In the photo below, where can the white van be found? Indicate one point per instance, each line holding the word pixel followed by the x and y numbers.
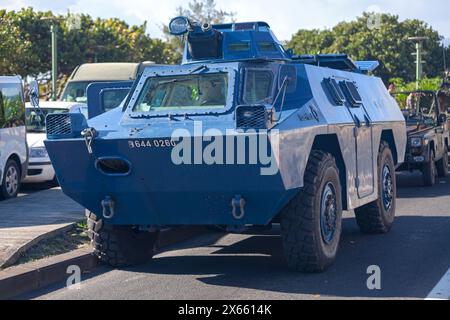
pixel 13 143
pixel 40 169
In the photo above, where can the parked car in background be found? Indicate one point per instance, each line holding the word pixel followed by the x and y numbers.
pixel 40 169
pixel 13 144
pixel 427 133
pixel 86 74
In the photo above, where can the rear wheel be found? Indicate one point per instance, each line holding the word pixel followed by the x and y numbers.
pixel 429 171
pixel 378 216
pixel 11 180
pixel 120 246
pixel 442 165
pixel 311 222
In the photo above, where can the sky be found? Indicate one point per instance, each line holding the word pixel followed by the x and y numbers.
pixel 284 16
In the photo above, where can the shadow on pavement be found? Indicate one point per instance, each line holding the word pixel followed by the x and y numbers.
pixel 258 263
pixel 410 185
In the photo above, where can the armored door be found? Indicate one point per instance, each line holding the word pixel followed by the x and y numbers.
pixel 363 140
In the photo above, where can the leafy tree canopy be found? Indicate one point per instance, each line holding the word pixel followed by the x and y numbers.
pixel 26 42
pixel 387 43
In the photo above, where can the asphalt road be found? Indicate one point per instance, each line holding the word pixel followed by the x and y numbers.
pixel 30 188
pixel 413 257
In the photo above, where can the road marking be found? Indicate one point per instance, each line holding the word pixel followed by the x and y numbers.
pixel 442 290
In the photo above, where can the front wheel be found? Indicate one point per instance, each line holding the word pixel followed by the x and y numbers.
pixel 120 246
pixel 11 180
pixel 378 216
pixel 442 165
pixel 429 171
pixel 311 223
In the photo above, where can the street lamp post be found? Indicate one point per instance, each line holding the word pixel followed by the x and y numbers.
pixel 419 54
pixel 54 32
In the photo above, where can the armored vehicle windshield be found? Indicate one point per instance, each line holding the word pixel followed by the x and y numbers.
pixel 183 92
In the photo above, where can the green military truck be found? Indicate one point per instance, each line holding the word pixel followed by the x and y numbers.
pixel 427 133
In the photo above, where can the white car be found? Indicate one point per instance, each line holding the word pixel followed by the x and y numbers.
pixel 40 169
pixel 13 145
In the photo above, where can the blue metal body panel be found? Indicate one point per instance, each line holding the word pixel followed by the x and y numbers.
pixel 157 191
pixel 252 36
pixel 95 93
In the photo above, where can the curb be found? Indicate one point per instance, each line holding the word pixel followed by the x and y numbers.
pixel 17 252
pixel 39 274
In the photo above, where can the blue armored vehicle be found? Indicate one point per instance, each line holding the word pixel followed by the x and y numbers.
pixel 242 133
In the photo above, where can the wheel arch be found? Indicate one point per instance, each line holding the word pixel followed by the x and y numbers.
pixel 16 158
pixel 330 143
pixel 432 147
pixel 388 136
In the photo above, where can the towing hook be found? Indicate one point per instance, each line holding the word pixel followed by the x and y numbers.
pixel 89 134
pixel 108 206
pixel 238 207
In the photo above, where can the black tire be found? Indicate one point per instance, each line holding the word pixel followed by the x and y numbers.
pixel 429 171
pixel 120 246
pixel 11 180
pixel 442 165
pixel 304 243
pixel 378 217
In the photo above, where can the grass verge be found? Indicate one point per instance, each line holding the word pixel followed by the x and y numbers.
pixel 73 239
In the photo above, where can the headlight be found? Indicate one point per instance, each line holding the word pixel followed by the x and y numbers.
pixel 38 153
pixel 416 142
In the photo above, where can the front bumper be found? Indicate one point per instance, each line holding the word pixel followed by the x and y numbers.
pixel 157 192
pixel 417 159
pixel 39 172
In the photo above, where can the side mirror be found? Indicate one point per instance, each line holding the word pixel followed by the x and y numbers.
pixel 34 93
pixel 179 26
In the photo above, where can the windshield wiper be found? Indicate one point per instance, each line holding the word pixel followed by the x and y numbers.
pixel 173 81
pixel 199 68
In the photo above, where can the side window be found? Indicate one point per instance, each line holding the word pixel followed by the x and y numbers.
pixel 13 109
pixel 258 86
pixel 2 110
pixel 112 98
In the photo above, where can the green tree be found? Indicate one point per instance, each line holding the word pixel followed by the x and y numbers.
pixel 428 84
pixel 26 43
pixel 387 43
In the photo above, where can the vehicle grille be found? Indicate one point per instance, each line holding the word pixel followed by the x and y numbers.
pixel 59 125
pixel 251 117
